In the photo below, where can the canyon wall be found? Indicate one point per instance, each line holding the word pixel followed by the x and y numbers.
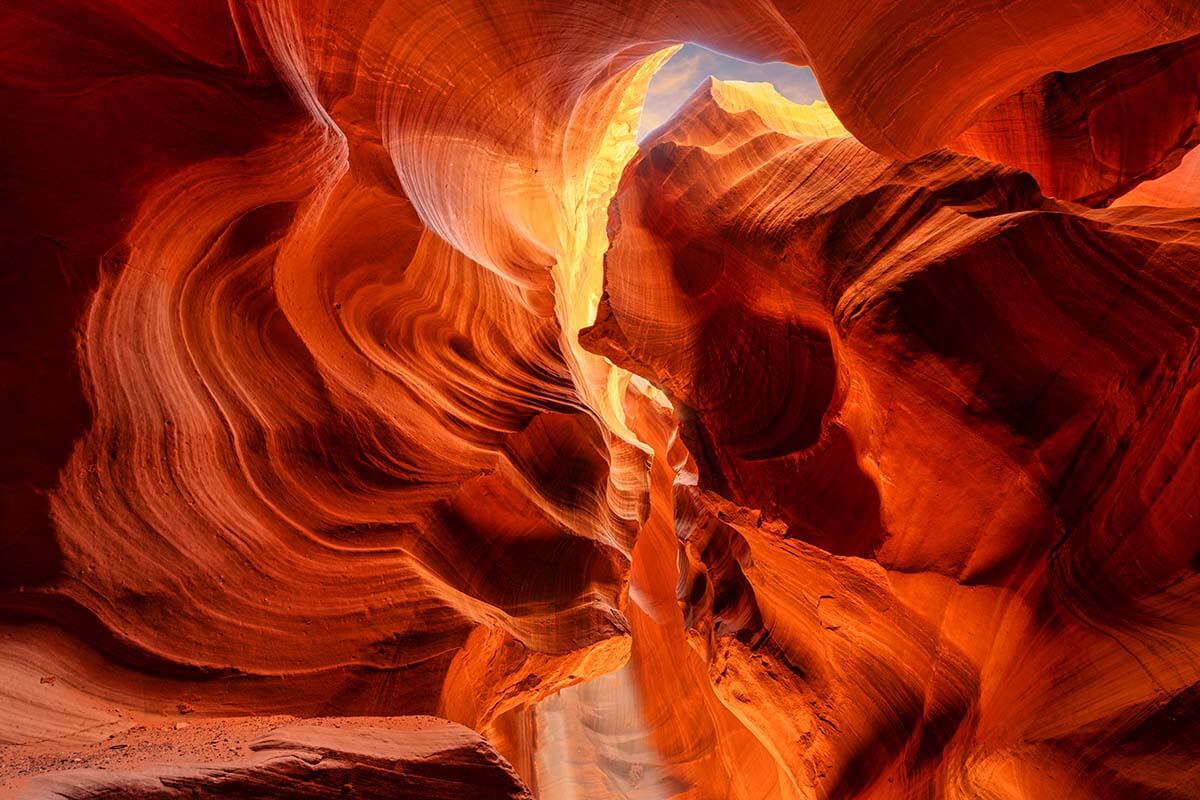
pixel 358 363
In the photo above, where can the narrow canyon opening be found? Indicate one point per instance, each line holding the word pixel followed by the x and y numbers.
pixel 605 733
pixel 683 73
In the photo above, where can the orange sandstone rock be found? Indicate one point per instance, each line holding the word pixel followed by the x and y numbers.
pixel 926 413
pixel 1092 135
pixel 401 757
pixel 297 417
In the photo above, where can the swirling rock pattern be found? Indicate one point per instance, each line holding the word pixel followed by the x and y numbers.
pixel 896 449
pixel 872 473
pixel 1082 134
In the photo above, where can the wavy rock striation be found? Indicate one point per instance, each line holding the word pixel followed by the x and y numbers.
pixel 298 419
pixel 1084 136
pixel 924 403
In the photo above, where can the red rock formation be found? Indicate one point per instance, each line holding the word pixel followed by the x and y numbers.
pixel 1179 188
pixel 898 450
pixel 1092 135
pixel 298 421
pixel 404 757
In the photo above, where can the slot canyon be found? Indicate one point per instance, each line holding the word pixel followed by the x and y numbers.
pixel 390 411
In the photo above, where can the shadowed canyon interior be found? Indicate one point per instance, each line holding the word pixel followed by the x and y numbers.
pixel 385 416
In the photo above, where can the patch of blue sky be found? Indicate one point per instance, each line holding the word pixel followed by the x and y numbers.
pixel 688 68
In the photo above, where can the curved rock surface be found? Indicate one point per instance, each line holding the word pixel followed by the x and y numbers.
pixel 1084 135
pixel 924 404
pixel 1179 188
pixel 415 757
pixel 868 477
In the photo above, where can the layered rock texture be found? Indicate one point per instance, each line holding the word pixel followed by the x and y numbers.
pixel 358 364
pixel 397 757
